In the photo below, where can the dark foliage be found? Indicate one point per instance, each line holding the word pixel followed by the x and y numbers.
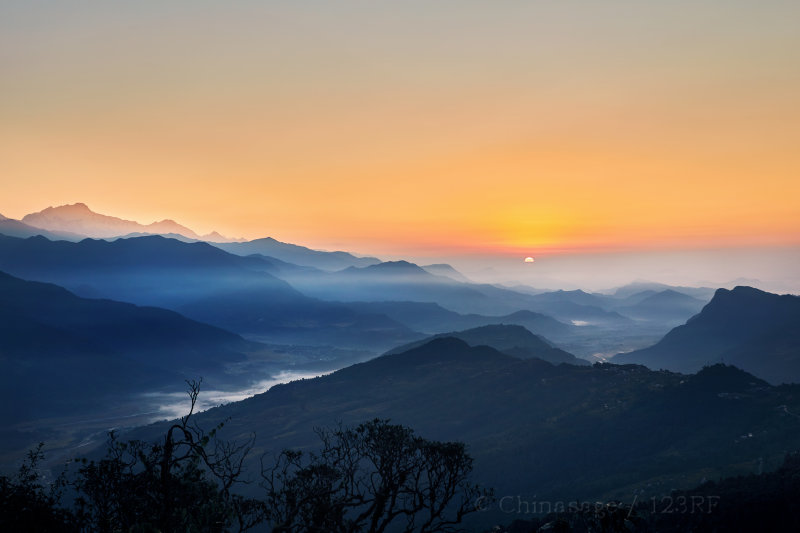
pixel 364 479
pixel 182 483
pixel 27 503
pixel 374 477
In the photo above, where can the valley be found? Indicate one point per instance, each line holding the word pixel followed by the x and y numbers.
pixel 560 394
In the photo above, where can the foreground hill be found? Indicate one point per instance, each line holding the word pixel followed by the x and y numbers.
pixel 539 430
pixel 512 340
pixel 755 330
pixel 200 281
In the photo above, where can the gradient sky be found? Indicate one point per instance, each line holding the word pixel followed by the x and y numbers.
pixel 412 127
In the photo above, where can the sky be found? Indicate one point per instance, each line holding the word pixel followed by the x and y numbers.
pixel 426 129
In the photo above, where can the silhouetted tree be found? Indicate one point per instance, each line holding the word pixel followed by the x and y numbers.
pixel 182 483
pixel 27 503
pixel 373 478
pixel 370 478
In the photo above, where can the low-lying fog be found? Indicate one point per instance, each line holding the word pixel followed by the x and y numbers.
pixel 176 404
pixel 772 269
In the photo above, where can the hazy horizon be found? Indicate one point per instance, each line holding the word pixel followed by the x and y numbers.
pixel 771 268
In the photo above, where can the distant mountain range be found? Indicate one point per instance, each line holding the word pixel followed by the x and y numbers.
pixel 299 255
pixel 752 329
pixel 405 281
pixel 443 269
pixel 512 340
pixel 372 307
pixel 75 222
pixel 79 219
pixel 285 293
pixel 432 318
pixel 201 282
pixel 666 306
pixel 640 286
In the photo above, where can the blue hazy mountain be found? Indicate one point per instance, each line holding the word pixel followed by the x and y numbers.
pixel 393 281
pixel 16 228
pixel 200 281
pixel 63 353
pixel 433 318
pixel 512 340
pixel 279 268
pixel 443 269
pixel 298 255
pixel 578 305
pixel 664 306
pixel 746 327
pixel 640 301
pixel 701 293
pixel 405 281
pixel 577 297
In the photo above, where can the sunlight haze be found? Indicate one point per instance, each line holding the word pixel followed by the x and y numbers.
pixel 412 129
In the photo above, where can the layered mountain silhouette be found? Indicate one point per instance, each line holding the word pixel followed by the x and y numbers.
pixel 443 269
pixel 281 302
pixel 79 219
pixel 512 340
pixel 665 306
pixel 749 328
pixel 200 281
pixel 651 287
pixel 405 281
pixel 62 353
pixel 355 278
pixel 433 318
pixel 389 281
pixel 578 306
pixel 16 228
pixel 536 429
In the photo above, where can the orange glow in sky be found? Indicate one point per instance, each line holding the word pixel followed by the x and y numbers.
pixel 453 127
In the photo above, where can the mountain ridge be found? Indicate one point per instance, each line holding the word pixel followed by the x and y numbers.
pixel 296 254
pixel 80 219
pixel 84 352
pixel 202 282
pixel 509 339
pixel 729 325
